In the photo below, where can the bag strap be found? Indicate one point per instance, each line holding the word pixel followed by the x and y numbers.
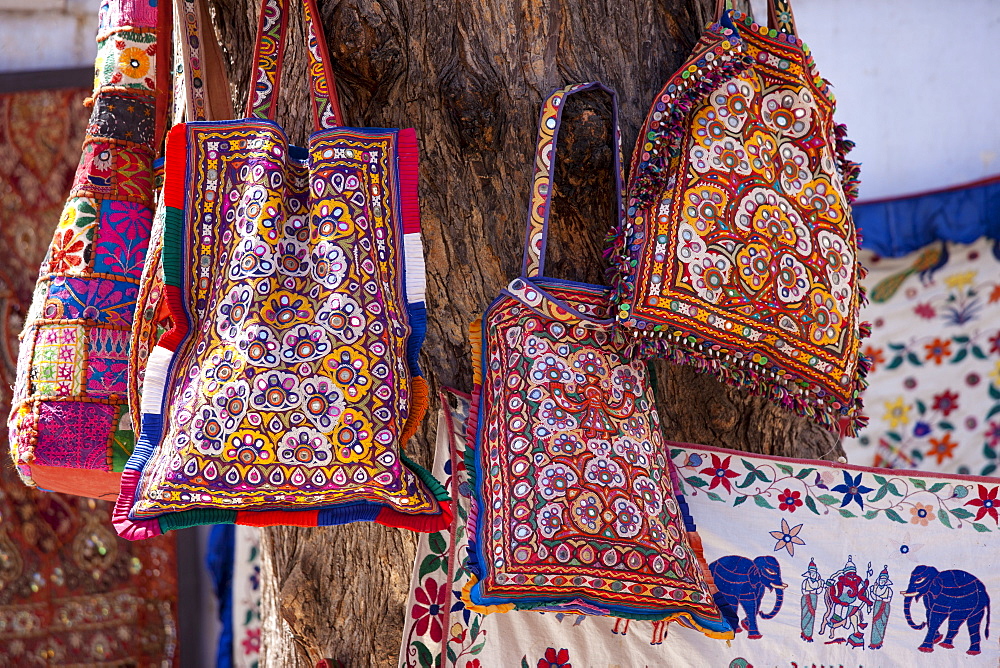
pixel 205 82
pixel 779 14
pixel 536 235
pixel 268 56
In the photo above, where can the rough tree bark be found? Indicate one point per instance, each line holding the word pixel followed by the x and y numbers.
pixel 469 75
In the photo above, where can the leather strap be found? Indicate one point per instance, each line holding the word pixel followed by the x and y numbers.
pixel 269 54
pixel 536 235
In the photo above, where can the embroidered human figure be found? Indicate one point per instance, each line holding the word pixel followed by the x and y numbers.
pixel 846 592
pixel 812 586
pixel 881 594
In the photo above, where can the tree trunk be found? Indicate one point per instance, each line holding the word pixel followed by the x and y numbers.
pixel 470 75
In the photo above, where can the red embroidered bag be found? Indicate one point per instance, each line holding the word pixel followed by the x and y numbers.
pixel 738 254
pixel 574 504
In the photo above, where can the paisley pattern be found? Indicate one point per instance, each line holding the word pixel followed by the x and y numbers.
pixel 291 389
pixel 739 253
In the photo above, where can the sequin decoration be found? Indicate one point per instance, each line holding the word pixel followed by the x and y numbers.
pixel 739 254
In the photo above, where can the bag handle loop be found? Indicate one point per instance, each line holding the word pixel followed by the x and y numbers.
pixel 536 234
pixel 779 14
pixel 206 86
pixel 269 54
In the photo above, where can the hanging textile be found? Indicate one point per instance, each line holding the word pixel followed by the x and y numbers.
pixel 783 536
pixel 294 283
pixel 934 398
pixel 246 620
pixel 902 225
pixel 575 509
pixel 70 429
pixel 738 252
pixel 233 561
pixel 71 592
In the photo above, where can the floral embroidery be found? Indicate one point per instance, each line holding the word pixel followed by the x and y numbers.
pixel 937 350
pixel 921 514
pixel 555 659
pixel 932 351
pixel 875 495
pixel 720 473
pixel 941 448
pixel 852 489
pixel 789 500
pixel 987 503
pixel 788 537
pixel 425 611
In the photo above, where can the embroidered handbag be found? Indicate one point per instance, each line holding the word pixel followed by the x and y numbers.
pixel 739 255
pixel 294 282
pixel 69 425
pixel 575 508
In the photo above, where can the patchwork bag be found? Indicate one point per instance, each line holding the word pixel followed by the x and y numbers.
pixel 574 507
pixel 70 429
pixel 738 255
pixel 294 283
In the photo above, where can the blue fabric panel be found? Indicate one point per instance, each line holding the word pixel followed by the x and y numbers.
pixel 219 561
pixel 349 512
pixel 893 228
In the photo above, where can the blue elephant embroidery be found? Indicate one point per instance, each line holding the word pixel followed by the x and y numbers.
pixel 743 582
pixel 956 596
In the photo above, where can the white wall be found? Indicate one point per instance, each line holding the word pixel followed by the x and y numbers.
pixel 917 84
pixel 47 34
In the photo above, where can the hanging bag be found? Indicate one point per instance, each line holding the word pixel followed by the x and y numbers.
pixel 69 423
pixel 738 254
pixel 294 283
pixel 574 504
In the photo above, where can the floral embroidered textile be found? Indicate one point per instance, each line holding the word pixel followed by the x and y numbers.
pixel 574 510
pixel 289 382
pixel 69 428
pixel 738 254
pixel 934 398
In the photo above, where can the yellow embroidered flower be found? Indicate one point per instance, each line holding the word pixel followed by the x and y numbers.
pixel 961 279
pixel 896 413
pixel 996 373
pixel 133 62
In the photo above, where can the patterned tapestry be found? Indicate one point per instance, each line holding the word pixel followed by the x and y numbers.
pixel 71 592
pixel 934 398
pixel 789 543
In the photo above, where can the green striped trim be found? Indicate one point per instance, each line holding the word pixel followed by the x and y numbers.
pixel 173 227
pixel 197 517
pixel 426 477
